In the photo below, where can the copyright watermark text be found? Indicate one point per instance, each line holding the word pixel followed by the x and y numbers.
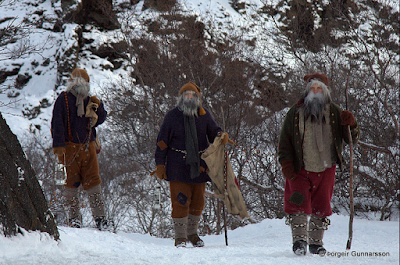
pixel 357 254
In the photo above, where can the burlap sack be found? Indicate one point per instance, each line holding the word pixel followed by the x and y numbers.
pixel 214 157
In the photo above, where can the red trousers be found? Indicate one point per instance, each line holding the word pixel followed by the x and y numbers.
pixel 310 193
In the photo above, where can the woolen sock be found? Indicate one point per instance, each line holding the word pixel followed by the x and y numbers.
pixel 192 224
pixel 180 227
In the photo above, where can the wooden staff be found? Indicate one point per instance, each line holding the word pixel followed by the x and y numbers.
pixel 225 181
pixel 348 246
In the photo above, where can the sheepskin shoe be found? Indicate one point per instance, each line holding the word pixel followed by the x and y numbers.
pixel 300 247
pixel 317 249
pixel 196 241
pixel 102 224
pixel 74 223
pixel 180 242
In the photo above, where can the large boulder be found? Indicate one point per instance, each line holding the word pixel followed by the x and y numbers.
pixel 22 202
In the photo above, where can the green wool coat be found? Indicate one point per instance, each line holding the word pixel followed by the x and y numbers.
pixel 291 144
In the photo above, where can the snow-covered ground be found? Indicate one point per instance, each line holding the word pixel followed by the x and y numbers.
pixel 268 242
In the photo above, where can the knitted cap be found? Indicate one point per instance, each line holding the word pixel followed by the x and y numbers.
pixel 80 73
pixel 190 86
pixel 321 77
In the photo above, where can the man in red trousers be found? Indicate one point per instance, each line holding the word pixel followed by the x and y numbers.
pixel 310 146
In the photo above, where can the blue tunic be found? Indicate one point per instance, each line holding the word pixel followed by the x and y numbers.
pixel 172 133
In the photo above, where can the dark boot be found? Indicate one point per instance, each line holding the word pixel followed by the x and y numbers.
pixel 180 242
pixel 196 240
pixel 102 224
pixel 74 223
pixel 300 247
pixel 317 249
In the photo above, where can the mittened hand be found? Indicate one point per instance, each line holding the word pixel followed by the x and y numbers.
pixel 226 140
pixel 94 99
pixel 288 170
pixel 91 109
pixel 91 106
pixel 348 118
pixel 160 172
pixel 60 152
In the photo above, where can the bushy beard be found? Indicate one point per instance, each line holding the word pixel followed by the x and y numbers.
pixel 189 107
pixel 314 105
pixel 80 86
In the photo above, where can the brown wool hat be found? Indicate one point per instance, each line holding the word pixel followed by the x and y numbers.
pixel 190 86
pixel 321 77
pixel 80 73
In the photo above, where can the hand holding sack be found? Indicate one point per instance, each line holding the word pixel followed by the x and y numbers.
pixel 226 139
pixel 60 152
pixel 288 170
pixel 348 118
pixel 160 172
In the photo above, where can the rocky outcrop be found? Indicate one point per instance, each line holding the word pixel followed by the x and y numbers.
pixel 22 203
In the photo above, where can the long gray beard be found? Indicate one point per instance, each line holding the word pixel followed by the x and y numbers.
pixel 189 107
pixel 81 87
pixel 314 105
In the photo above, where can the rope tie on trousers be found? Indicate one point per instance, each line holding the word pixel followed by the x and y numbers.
pixel 324 226
pixel 316 227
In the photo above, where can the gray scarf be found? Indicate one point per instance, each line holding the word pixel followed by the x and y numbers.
pixel 192 146
pixel 79 103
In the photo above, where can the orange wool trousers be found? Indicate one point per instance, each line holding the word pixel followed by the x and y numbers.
pixel 186 198
pixel 82 166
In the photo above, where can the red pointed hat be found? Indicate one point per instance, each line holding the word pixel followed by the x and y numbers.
pixel 321 77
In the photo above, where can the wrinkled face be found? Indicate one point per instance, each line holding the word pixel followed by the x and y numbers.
pixel 189 95
pixel 316 88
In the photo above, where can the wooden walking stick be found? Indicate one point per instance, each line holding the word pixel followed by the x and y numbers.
pixel 348 246
pixel 225 181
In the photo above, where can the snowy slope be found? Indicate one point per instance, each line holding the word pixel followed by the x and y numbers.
pixel 268 242
pixel 51 46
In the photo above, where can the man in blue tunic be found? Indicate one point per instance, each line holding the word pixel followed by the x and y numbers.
pixel 184 135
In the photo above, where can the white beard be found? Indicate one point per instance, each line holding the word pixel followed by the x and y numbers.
pixel 314 105
pixel 189 107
